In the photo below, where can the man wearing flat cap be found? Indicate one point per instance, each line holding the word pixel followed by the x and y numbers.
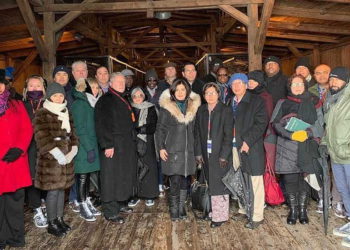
pixel 276 81
pixel 169 75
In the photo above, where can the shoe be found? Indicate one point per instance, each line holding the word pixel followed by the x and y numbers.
pixel 346 241
pixel 319 208
pixel 339 210
pixel 92 208
pixel 116 219
pixel 216 224
pixel 342 231
pixel 303 200
pixel 293 209
pixel 161 189
pixel 126 210
pixel 149 203
pixel 39 218
pixel 85 212
pixel 206 216
pixel 74 205
pixel 182 204
pixel 63 224
pixel 55 229
pixel 253 224
pixel 174 207
pixel 97 202
pixel 133 202
pixel 239 217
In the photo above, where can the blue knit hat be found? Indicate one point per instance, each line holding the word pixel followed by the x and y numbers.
pixel 238 76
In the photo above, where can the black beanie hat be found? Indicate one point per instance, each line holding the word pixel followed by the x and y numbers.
pixel 3 77
pixel 54 88
pixel 272 59
pixel 303 61
pixel 341 73
pixel 151 73
pixel 60 68
pixel 258 76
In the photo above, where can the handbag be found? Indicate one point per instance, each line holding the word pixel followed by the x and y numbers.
pixel 200 193
pixel 273 192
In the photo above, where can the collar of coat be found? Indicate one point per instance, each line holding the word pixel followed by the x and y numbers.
pixel 194 101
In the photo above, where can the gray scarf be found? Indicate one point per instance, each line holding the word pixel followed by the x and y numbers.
pixel 143 107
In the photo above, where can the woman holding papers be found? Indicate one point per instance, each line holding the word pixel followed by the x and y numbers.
pixel 297 145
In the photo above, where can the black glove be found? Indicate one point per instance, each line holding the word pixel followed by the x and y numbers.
pixel 199 160
pixel 91 156
pixel 12 155
pixel 223 163
pixel 323 150
pixel 141 130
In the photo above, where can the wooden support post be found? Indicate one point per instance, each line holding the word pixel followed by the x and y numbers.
pixel 212 38
pixel 265 17
pixel 50 41
pixel 316 58
pixel 235 13
pixel 254 58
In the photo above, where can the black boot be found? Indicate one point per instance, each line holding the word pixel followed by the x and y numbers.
pixel 55 228
pixel 63 224
pixel 303 200
pixel 182 204
pixel 293 209
pixel 174 207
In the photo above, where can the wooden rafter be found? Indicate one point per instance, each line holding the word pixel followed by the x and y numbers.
pixel 29 59
pixel 32 26
pixel 167 45
pixel 179 52
pixel 294 50
pixel 235 13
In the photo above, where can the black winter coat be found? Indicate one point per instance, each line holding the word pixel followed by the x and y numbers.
pixel 115 129
pixel 277 86
pixel 197 87
pixel 250 124
pixel 221 135
pixel 155 98
pixel 175 134
pixel 148 187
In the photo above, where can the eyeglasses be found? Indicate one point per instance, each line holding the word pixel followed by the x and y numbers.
pixel 138 96
pixel 222 74
pixel 211 93
pixel 297 84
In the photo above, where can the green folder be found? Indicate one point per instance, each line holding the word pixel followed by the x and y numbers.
pixel 296 124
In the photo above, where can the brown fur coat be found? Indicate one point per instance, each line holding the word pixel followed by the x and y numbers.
pixel 48 135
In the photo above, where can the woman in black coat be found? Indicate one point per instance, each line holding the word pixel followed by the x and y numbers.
pixel 213 130
pixel 297 152
pixel 146 123
pixel 250 122
pixel 33 93
pixel 175 141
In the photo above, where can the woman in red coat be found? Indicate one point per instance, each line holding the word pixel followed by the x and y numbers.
pixel 16 134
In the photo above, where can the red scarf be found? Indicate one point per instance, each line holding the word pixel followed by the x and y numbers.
pixel 126 102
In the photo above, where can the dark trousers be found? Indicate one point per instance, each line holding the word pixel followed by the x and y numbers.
pixel 177 183
pixel 12 219
pixel 111 208
pixel 54 204
pixel 83 183
pixel 34 196
pixel 295 183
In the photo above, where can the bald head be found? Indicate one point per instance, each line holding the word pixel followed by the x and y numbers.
pixel 321 74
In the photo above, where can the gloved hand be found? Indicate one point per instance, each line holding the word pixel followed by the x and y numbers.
pixel 58 155
pixel 223 163
pixel 323 150
pixel 299 136
pixel 199 160
pixel 73 152
pixel 91 156
pixel 12 154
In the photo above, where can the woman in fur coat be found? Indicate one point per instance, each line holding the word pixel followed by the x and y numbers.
pixel 57 146
pixel 175 141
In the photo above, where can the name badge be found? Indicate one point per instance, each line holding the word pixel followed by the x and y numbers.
pixel 209 145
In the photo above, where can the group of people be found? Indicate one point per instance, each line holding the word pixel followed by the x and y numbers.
pixel 112 142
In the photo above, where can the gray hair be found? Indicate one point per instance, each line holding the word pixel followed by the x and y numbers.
pixel 76 63
pixel 114 75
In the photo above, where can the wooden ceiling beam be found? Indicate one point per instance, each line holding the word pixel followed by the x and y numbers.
pixel 264 21
pixel 306 37
pixel 319 28
pixel 29 59
pixel 179 52
pixel 235 13
pixel 132 23
pixel 32 26
pixel 295 51
pixel 143 6
pixel 167 45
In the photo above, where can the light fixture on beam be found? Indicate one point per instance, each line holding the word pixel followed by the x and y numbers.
pixel 162 15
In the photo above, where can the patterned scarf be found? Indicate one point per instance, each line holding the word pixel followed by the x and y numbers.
pixel 4 101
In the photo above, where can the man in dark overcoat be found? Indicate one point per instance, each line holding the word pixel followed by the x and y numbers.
pixel 114 128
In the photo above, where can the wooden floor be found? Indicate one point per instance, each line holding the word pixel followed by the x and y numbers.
pixel 151 228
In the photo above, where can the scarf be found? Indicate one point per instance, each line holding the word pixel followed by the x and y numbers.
pixel 152 92
pixel 143 107
pixel 4 101
pixel 61 111
pixel 182 106
pixel 92 99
